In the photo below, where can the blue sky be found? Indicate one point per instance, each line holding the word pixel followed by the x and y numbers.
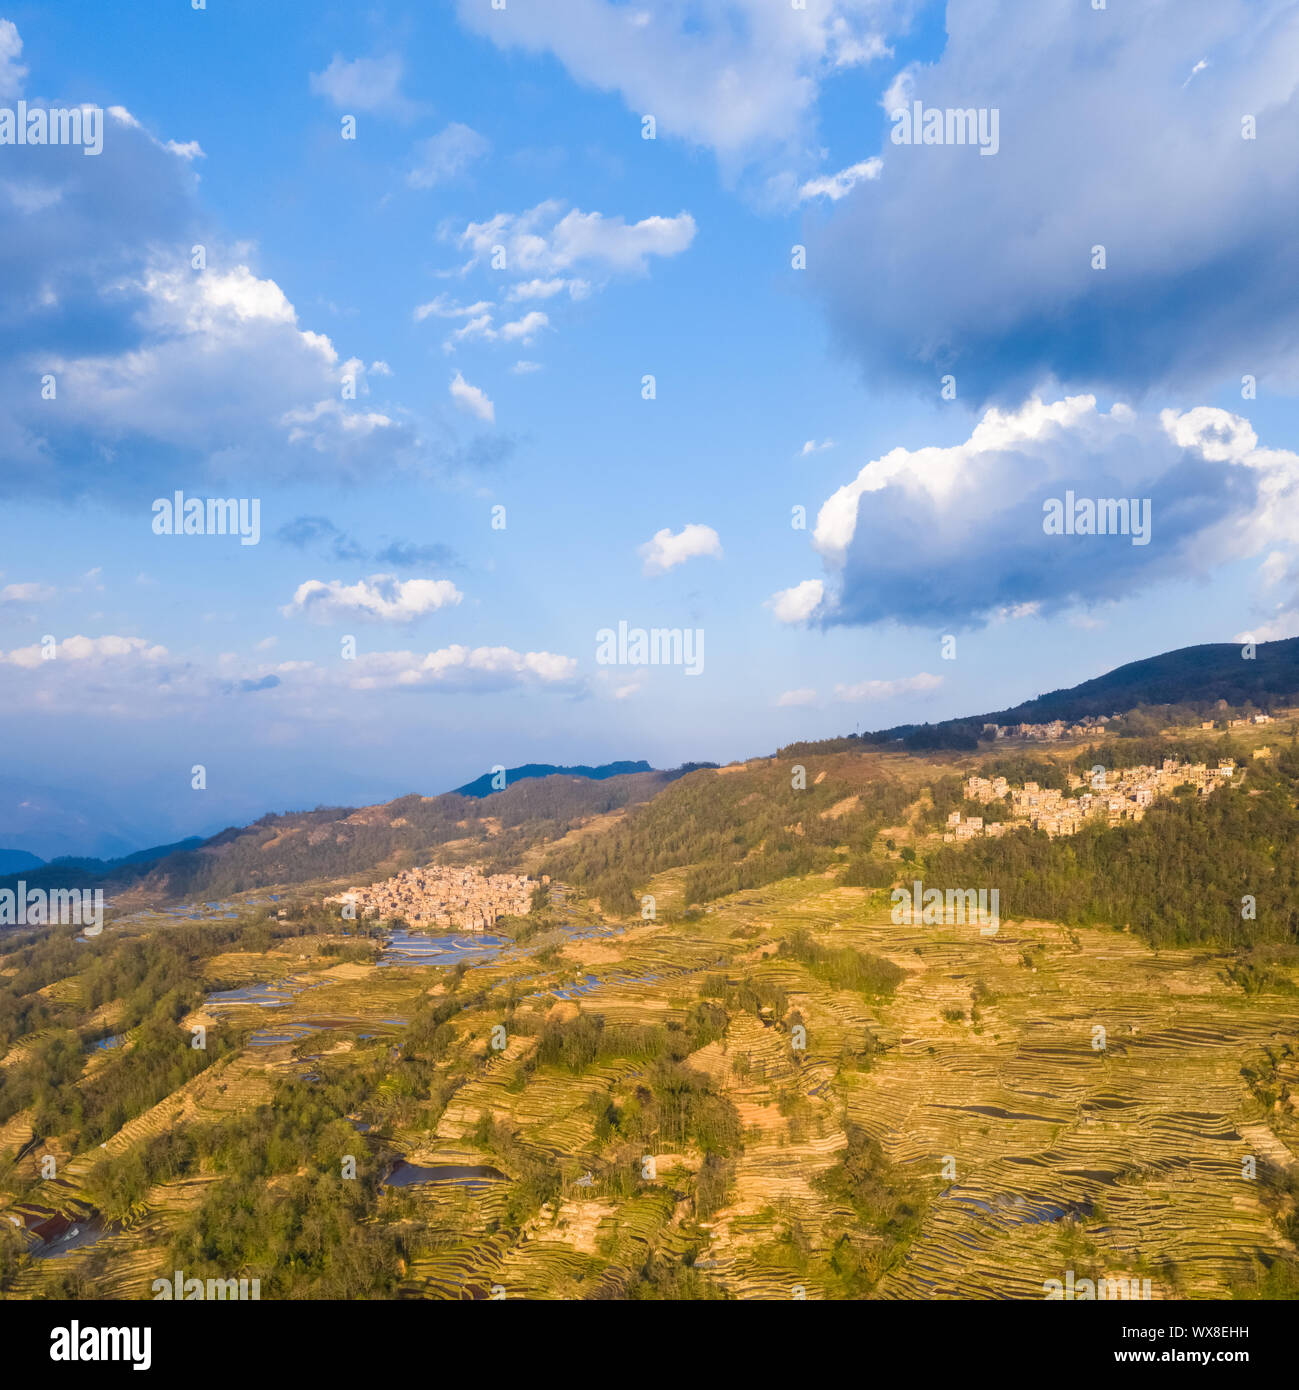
pixel 349 356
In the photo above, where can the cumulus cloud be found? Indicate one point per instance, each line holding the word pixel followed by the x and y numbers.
pixel 381 598
pixel 92 651
pixel 544 249
pixel 165 367
pixel 521 331
pixel 443 156
pixel 459 668
pixel 160 364
pixel 983 267
pixel 795 698
pixel 960 534
pixel 128 678
pixel 665 551
pixel 798 604
pixel 98 678
pixel 472 399
pixel 738 76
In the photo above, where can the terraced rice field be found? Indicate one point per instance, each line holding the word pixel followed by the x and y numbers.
pixel 1061 1099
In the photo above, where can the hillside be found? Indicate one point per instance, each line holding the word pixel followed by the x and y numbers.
pixel 697 819
pixel 833 1105
pixel 1190 680
pixel 372 841
pixel 1191 675
pixel 709 1061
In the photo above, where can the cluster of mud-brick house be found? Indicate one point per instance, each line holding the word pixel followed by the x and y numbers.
pixel 1112 795
pixel 456 899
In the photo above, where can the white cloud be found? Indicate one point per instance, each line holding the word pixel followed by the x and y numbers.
pixel 665 551
pixel 462 668
pixel 445 155
pixel 885 690
pixel 523 367
pixel 91 650
pixel 12 71
pixel 1197 488
pixel 853 49
pixel 217 296
pixel 381 597
pixel 734 75
pixel 364 84
pixel 836 186
pixel 472 399
pixel 542 243
pixel 989 260
pixel 547 289
pixel 26 593
pixel 1013 612
pixel 327 422
pixel 812 447
pixel 481 329
pixel 798 604
pixel 221 369
pixel 947 478
pixel 525 329
pixel 793 698
pixel 443 308
pixel 187 150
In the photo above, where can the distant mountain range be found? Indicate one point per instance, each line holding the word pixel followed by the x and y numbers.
pixel 49 820
pixel 541 802
pixel 15 861
pixel 487 783
pixel 19 861
pixel 341 842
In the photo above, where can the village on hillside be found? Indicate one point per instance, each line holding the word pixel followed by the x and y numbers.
pixel 449 898
pixel 1051 731
pixel 1089 727
pixel 1115 795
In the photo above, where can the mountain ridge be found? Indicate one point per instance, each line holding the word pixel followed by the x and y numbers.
pixel 541 802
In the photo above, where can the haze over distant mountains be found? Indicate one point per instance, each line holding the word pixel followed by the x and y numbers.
pixel 46 821
pixel 45 824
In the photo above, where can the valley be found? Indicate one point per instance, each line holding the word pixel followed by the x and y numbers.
pixel 769 1092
